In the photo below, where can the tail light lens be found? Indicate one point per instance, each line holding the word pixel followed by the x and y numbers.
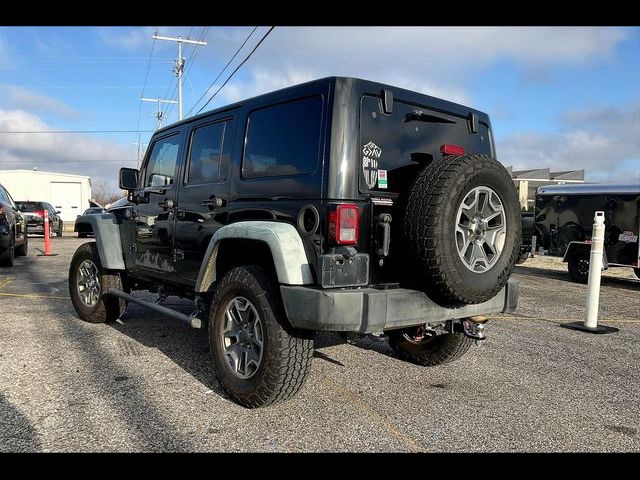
pixel 449 149
pixel 344 224
pixel 40 213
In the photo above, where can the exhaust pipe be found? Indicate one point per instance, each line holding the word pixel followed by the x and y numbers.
pixel 473 327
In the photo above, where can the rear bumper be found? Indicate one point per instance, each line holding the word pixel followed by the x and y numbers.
pixel 35 228
pixel 370 310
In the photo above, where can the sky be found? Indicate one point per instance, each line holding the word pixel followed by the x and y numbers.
pixel 559 97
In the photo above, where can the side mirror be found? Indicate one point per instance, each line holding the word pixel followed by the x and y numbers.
pixel 58 212
pixel 128 178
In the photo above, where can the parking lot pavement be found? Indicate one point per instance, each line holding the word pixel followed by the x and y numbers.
pixel 148 385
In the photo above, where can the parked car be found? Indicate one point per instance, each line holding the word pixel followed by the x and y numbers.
pixel 564 223
pixel 89 211
pixel 13 230
pixel 34 213
pixel 337 205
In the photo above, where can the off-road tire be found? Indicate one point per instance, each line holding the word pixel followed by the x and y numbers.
pixel 578 267
pixel 287 353
pixel 429 228
pixel 8 257
pixel 438 350
pixel 108 308
pixel 23 249
pixel 60 226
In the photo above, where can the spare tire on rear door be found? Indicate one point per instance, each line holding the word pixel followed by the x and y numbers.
pixel 462 228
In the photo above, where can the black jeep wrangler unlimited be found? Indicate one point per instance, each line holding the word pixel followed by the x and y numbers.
pixel 336 205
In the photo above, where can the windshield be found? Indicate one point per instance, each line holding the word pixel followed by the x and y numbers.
pixel 395 146
pixel 29 206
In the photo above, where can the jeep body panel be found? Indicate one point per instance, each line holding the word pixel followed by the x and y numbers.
pixel 284 242
pixel 106 228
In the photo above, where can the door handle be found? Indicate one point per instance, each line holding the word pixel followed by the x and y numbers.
pixel 167 204
pixel 213 202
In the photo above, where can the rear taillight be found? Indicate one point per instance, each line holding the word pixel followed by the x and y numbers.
pixel 1 211
pixel 449 149
pixel 40 213
pixel 343 224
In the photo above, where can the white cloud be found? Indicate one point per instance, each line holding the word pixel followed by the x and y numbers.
pixel 439 61
pixel 127 38
pixel 17 97
pixel 65 153
pixel 605 141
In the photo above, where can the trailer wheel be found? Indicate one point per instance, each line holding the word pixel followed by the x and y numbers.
pixel 87 285
pixel 578 267
pixel 258 358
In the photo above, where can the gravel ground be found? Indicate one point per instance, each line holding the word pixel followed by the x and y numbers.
pixel 148 385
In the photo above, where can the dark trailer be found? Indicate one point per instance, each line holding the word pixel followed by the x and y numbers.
pixel 564 221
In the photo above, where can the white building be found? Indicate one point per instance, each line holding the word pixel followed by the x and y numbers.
pixel 68 193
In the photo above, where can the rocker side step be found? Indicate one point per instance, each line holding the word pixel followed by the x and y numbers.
pixel 190 320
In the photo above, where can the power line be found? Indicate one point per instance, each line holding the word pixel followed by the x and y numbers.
pixel 236 69
pixel 222 71
pixel 74 131
pixel 69 161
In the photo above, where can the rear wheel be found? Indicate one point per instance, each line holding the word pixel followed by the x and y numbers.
pixel 578 267
pixel 23 249
pixel 437 350
pixel 259 359
pixel 7 258
pixel 88 283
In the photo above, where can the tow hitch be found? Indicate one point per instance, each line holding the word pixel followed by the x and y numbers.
pixel 474 327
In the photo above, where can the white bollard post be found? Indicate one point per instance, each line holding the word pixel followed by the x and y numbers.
pixel 595 272
pixel 593 287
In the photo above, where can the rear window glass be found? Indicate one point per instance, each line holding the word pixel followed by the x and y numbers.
pixel 283 139
pixel 29 206
pixel 392 146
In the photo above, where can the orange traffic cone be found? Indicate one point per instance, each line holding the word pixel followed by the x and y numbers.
pixel 47 237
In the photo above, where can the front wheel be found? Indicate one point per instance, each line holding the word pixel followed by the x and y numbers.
pixel 259 359
pixel 8 257
pixel 88 283
pixel 59 232
pixel 433 351
pixel 23 249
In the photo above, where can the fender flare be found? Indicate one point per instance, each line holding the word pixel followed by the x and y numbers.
pixel 576 246
pixel 107 232
pixel 284 242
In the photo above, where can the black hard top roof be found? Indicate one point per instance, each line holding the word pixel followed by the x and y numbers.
pixel 366 86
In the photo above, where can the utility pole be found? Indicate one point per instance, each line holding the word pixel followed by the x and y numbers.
pixel 179 66
pixel 140 145
pixel 159 113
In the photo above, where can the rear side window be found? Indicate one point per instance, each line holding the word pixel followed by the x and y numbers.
pixel 284 139
pixel 206 163
pixel 162 162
